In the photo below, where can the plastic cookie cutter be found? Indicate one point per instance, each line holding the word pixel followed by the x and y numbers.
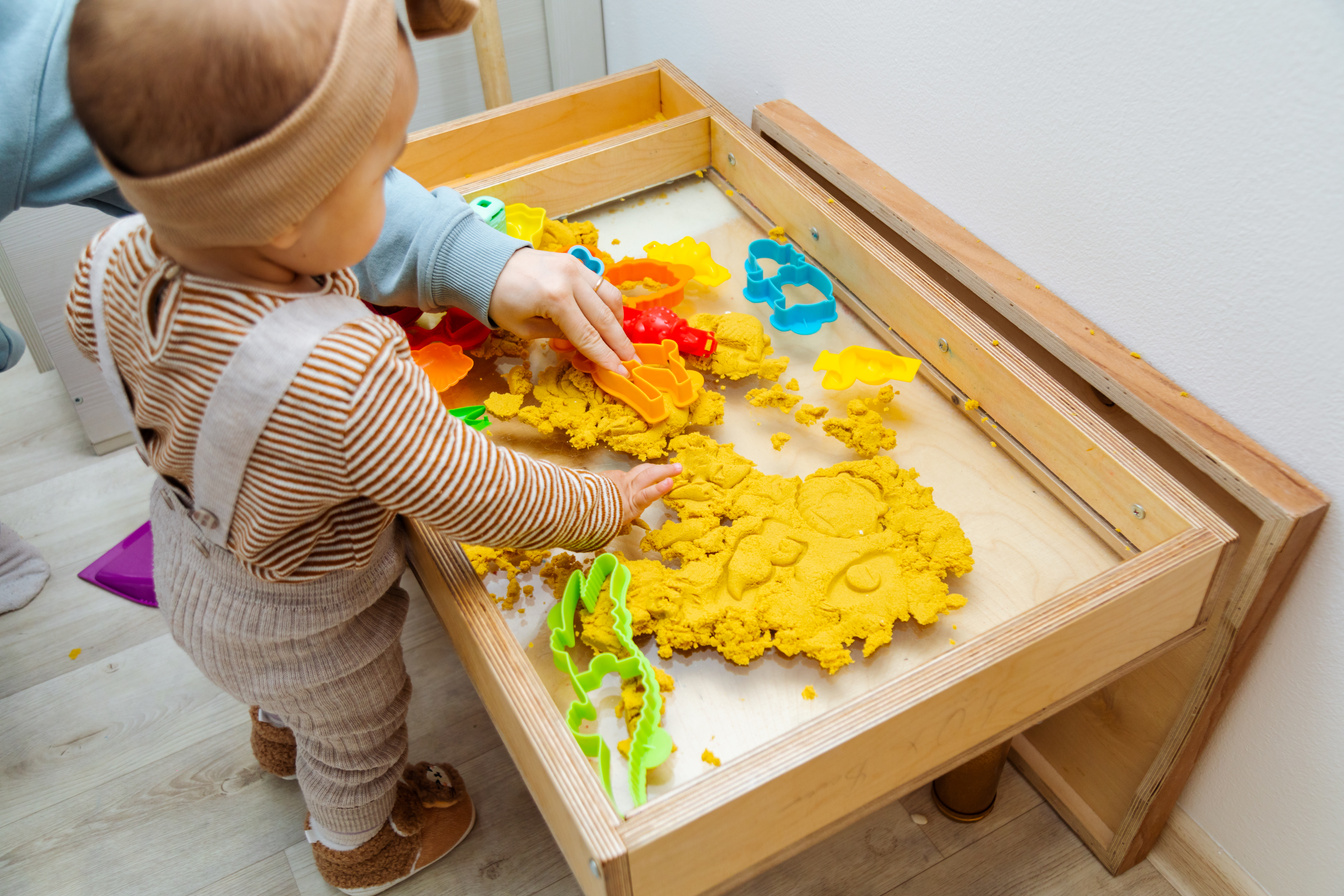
pixel 870 365
pixel 650 744
pixel 454 327
pixel 445 365
pixel 589 261
pixel 525 222
pixel 794 270
pixel 687 251
pixel 656 324
pixel 758 286
pixel 657 372
pixel 472 415
pixel 403 316
pixel 491 211
pixel 807 318
pixel 673 278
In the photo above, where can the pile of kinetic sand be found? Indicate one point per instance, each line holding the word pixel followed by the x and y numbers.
pixel 558 236
pixel 774 397
pixel 567 400
pixel 513 562
pixel 743 347
pixel 806 566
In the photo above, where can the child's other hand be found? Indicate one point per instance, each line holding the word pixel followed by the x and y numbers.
pixel 641 486
pixel 551 294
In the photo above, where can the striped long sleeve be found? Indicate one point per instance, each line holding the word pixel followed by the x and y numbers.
pixel 358 438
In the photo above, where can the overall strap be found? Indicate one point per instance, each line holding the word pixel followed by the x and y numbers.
pixel 249 389
pixel 102 258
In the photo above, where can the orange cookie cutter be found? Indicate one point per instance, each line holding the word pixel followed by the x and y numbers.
pixel 658 372
pixel 674 278
pixel 445 365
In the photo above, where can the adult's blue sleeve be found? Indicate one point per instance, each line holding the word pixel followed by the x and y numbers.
pixel 434 252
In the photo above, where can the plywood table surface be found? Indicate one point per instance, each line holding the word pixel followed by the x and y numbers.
pixel 1027 545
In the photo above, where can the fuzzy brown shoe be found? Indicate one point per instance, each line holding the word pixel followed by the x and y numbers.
pixel 432 814
pixel 273 747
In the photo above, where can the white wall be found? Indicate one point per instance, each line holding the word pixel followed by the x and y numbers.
pixel 1176 172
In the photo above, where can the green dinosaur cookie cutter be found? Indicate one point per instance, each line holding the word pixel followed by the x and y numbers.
pixel 472 415
pixel 650 745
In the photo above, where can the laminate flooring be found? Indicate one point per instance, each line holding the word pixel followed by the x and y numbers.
pixel 124 771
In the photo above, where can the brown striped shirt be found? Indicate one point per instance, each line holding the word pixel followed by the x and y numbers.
pixel 359 437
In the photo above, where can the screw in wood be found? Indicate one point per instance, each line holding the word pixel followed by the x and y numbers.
pixel 815 235
pixel 592 866
pixel 942 345
pixel 1138 511
pixel 732 159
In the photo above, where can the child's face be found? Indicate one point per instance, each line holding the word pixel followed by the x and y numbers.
pixel 342 230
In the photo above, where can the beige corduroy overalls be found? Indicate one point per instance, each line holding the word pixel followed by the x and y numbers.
pixel 322 656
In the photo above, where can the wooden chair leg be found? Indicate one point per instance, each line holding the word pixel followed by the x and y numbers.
pixel 490 60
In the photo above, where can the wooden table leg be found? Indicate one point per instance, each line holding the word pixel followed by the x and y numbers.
pixel 967 793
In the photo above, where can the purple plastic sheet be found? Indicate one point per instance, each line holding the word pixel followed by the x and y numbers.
pixel 128 569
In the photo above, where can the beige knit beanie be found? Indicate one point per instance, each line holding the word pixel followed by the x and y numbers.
pixel 252 193
pixel 435 18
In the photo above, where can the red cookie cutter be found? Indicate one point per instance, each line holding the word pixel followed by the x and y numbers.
pixel 457 327
pixel 659 323
pixel 674 278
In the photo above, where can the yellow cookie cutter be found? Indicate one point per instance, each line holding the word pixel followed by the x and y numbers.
pixel 525 222
pixel 871 365
pixel 687 251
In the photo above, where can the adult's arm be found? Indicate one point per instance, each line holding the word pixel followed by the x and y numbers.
pixel 433 252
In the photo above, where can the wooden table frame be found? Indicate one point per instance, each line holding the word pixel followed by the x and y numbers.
pixel 577 148
pixel 1115 765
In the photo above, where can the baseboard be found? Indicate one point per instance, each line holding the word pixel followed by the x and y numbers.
pixel 1195 865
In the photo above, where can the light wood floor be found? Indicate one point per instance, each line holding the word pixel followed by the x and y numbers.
pixel 124 771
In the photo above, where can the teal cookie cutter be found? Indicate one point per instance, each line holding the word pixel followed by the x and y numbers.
pixel 472 415
pixel 650 744
pixel 490 210
pixel 794 270
pixel 590 261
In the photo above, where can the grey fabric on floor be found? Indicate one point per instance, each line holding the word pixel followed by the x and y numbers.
pixel 23 572
pixel 11 347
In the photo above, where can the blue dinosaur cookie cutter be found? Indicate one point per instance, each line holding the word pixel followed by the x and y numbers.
pixel 794 270
pixel 650 744
pixel 589 261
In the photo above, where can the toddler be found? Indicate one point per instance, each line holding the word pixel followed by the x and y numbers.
pixel 289 426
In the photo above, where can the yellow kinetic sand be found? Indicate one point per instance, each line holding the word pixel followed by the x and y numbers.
pixel 810 414
pixel 807 565
pixel 744 348
pixel 569 401
pixel 503 405
pixel 861 429
pixel 774 397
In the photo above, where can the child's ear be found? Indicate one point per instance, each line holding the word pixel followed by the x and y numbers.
pixel 286 238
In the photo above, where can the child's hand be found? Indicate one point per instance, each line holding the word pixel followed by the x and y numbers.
pixel 551 294
pixel 641 486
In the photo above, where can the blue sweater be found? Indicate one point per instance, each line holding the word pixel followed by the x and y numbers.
pixel 433 252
